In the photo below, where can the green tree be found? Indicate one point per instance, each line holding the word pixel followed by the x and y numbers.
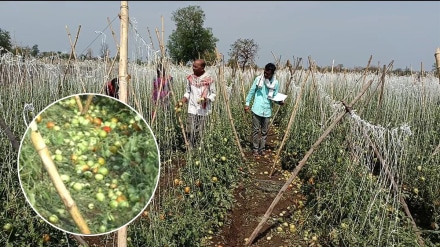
pixel 5 41
pixel 244 52
pixel 190 40
pixel 35 51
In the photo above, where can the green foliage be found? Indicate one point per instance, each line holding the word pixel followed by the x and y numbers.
pixel 243 51
pixel 190 40
pixel 35 51
pixel 5 41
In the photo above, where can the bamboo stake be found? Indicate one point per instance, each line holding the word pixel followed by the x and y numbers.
pixel 228 109
pixel 151 40
pixel 163 79
pixel 301 164
pixel 289 125
pixel 88 103
pixel 437 61
pixel 43 152
pixel 80 240
pixel 382 85
pixel 72 53
pixel 123 62
pixel 395 188
pixel 78 102
pixel 14 142
pixel 436 150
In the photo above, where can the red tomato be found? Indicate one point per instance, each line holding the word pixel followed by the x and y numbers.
pixel 107 129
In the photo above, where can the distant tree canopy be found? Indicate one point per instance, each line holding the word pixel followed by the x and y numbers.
pixel 190 40
pixel 5 41
pixel 243 52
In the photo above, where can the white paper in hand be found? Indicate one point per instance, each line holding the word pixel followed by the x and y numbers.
pixel 279 97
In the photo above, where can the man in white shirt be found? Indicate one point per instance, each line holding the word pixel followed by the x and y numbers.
pixel 200 92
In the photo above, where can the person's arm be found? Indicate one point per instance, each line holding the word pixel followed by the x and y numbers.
pixel 251 92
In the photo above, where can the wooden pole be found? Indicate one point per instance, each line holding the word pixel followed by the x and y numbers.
pixel 78 102
pixel 225 96
pixel 289 125
pixel 88 103
pixel 49 165
pixel 72 53
pixel 123 76
pixel 302 163
pixel 123 59
pixel 437 61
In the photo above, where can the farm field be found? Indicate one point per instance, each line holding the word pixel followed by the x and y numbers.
pixel 361 150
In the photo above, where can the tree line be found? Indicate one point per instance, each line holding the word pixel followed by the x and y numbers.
pixel 189 41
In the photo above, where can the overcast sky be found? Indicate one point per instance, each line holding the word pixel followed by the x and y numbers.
pixel 346 32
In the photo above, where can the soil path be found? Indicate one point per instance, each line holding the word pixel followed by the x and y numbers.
pixel 253 197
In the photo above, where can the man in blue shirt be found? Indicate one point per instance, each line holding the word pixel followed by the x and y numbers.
pixel 264 88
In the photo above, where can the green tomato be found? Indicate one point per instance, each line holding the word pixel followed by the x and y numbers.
pixel 100 196
pixel 113 204
pixel 65 178
pixel 123 204
pixel 53 219
pixel 58 157
pixel 7 226
pixel 78 186
pixel 102 229
pixel 102 133
pixel 99 176
pixel 103 171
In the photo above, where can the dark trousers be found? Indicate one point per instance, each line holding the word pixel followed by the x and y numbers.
pixel 260 127
pixel 195 125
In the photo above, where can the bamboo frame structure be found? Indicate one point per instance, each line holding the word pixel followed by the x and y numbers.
pixel 302 163
pixel 49 165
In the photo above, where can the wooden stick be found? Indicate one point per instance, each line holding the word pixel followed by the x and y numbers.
pixel 228 109
pixel 301 164
pixel 51 169
pixel 88 103
pixel 436 150
pixel 14 142
pixel 437 62
pixel 78 102
pixel 289 125
pixel 123 62
pixel 72 53
pixel 151 40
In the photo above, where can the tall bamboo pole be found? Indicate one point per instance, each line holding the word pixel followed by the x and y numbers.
pixel 72 53
pixel 225 96
pixel 123 59
pixel 123 76
pixel 437 61
pixel 43 152
pixel 302 163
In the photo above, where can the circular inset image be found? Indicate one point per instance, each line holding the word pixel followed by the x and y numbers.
pixel 88 164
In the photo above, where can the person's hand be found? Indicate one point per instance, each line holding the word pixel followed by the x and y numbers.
pixel 246 108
